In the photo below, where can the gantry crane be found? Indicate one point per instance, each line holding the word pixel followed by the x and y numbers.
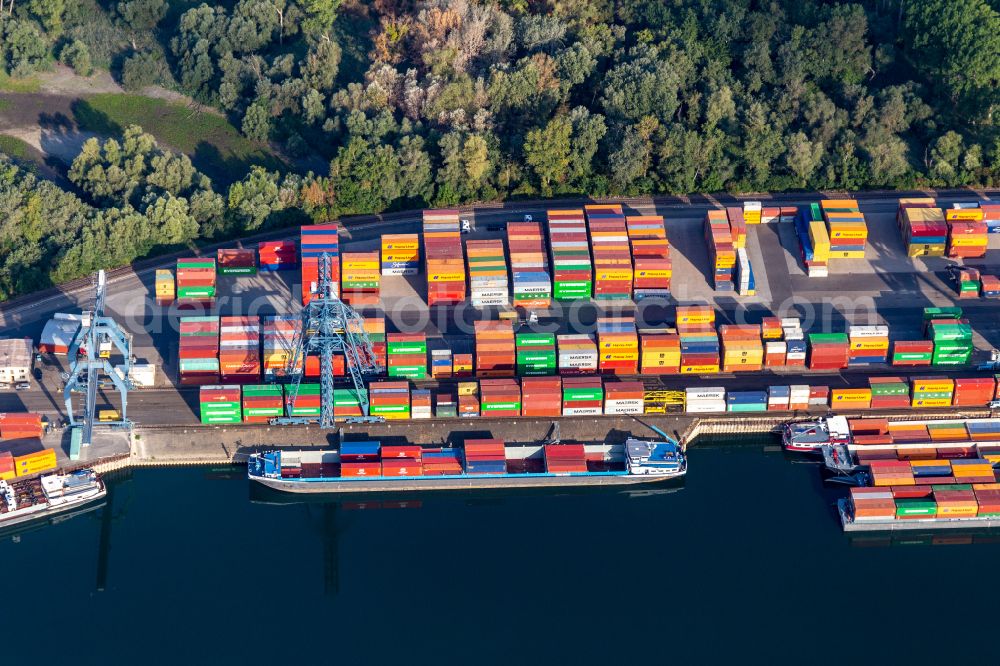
pixel 90 358
pixel 329 326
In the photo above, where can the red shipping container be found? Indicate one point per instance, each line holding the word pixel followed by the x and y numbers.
pixel 356 469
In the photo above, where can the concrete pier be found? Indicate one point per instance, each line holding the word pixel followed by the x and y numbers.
pixel 204 445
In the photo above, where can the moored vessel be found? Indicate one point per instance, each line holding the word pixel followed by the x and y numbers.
pixel 372 467
pixel 27 499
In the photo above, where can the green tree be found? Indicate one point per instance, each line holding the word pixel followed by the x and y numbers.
pixel 75 54
pixel 956 43
pixel 171 219
pixel 803 156
pixel 257 121
pixel 547 151
pixel 50 14
pixel 253 199
pixel 23 48
pixel 142 15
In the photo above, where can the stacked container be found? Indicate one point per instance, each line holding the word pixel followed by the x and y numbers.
pixel 487 273
pixel 922 226
pixel 582 396
pixel 742 348
pixel 360 459
pixel 316 241
pixel 572 270
pixel 445 406
pixel 485 456
pixel 746 401
pixel 443 257
pixel 754 213
pixel 847 228
pixel 199 350
pixel 952 341
pixel 35 462
pixel 851 398
pixel 239 349
pixel 536 354
pixel 308 400
pixel 795 342
pixel 237 262
pixel 932 392
pixel 529 265
pixel 441 364
pixel 699 340
pixel 277 255
pixel 360 278
pixel 869 345
pixel 499 397
pixel 737 226
pixel 195 281
pixel 889 393
pixel 721 249
pixel 828 351
pixel 220 404
pixel 659 353
pixel 375 328
pixel 652 268
pixel 989 286
pixel 623 397
pixel 420 404
pixel 577 354
pixel 618 346
pixel 164 287
pixel 278 344
pixel 347 402
pixel 704 399
pixel 400 254
pixel 968 283
pixel 967 233
pixel 262 402
pixel 974 391
pixel 390 400
pixel 814 240
pixel 912 353
pixel 798 396
pixel 991 216
pixel 495 349
pixel 746 283
pixel 402 460
pixel 406 355
pixel 541 396
pixel 609 246
pixel 21 426
pixel 440 462
pixel 565 459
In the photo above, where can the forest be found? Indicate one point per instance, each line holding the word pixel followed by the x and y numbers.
pixel 417 103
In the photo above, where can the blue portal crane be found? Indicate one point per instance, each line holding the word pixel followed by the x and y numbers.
pixel 90 358
pixel 329 326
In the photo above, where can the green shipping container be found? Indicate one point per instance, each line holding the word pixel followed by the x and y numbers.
pixel 890 389
pixel 912 357
pixel 828 338
pixel 573 394
pixel 915 507
pixel 762 407
pixel 258 390
pixel 238 270
pixel 307 411
pixel 263 411
pixel 408 371
pixel 406 348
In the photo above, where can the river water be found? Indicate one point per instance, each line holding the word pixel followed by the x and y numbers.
pixel 743 563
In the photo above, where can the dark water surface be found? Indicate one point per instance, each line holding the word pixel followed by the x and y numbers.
pixel 743 564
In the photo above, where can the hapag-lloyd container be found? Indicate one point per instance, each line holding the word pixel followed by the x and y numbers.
pixel 652 268
pixel 444 257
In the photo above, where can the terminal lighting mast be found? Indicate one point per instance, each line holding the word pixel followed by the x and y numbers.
pixel 90 357
pixel 329 326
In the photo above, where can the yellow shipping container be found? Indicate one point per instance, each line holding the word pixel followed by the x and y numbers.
pixel 965 214
pixel 931 402
pixel 820 241
pixel 874 344
pixel 971 240
pixel 468 388
pixel 925 251
pixel 618 344
pixel 654 274
pixel 700 369
pixel 625 276
pixel 446 277
pixel 619 356
pixel 32 463
pixel 857 254
pixel 933 385
pixel 850 395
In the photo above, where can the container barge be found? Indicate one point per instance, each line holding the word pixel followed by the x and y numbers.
pixel 35 498
pixel 897 508
pixel 371 467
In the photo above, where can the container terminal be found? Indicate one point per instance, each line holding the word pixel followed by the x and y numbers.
pixel 486 321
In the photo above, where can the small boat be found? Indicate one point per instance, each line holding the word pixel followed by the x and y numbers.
pixel 28 499
pixel 812 436
pixel 517 466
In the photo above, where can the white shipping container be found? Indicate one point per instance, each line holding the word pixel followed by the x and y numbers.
pixel 623 406
pixel 795 356
pixel 705 406
pixel 705 393
pixel 791 322
pixel 399 271
pixel 581 411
